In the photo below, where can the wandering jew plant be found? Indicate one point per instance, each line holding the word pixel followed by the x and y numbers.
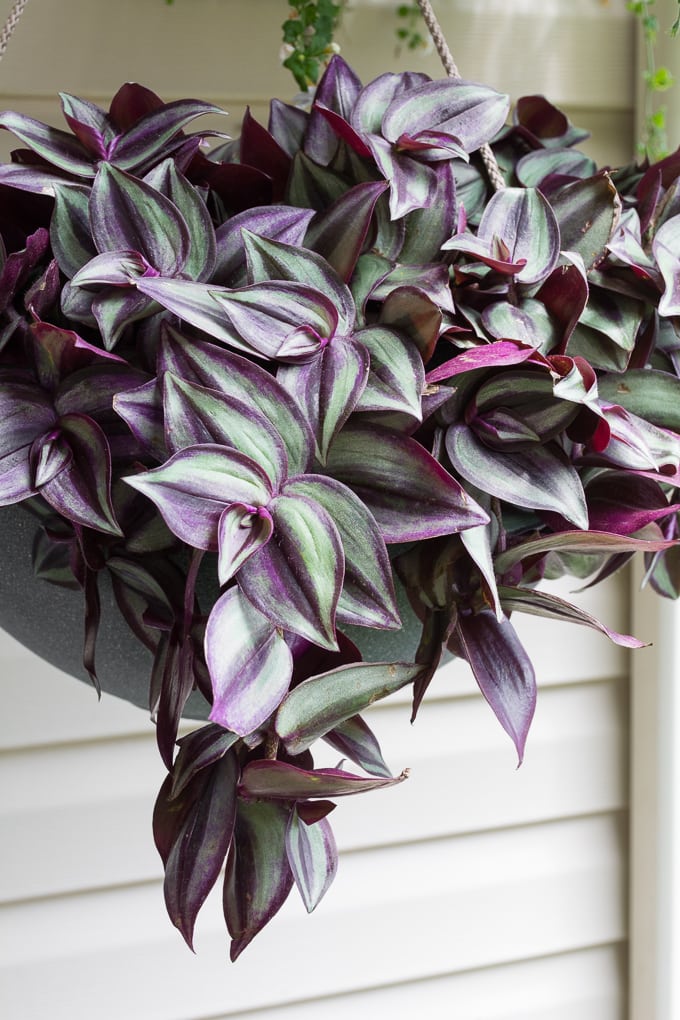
pixel 285 392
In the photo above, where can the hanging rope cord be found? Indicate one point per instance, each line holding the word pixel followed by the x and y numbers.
pixel 11 23
pixel 449 64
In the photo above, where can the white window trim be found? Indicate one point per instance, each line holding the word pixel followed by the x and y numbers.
pixel 655 811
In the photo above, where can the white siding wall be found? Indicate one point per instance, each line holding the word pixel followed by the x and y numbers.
pixel 473 890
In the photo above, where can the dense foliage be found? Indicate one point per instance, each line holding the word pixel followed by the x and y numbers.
pixel 315 368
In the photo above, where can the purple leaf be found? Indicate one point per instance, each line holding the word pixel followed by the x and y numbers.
pixel 408 492
pixel 26 413
pixel 258 877
pixel 296 578
pixel 500 353
pixel 397 377
pixel 195 415
pixel 666 248
pixel 277 222
pixel 588 212
pixel 538 603
pixel 142 411
pixel 413 185
pixel 198 750
pixel 283 321
pixel 467 114
pixel 198 853
pixel 59 148
pixel 240 533
pixel 321 703
pixel 328 388
pixel 128 214
pixel 577 541
pixel 189 203
pixel 81 492
pixel 276 780
pixel 196 305
pixel 339 232
pixel 355 740
pixel 503 671
pixel 193 488
pixel 270 260
pixel 312 856
pixel 367 597
pixel 115 268
pixel 540 478
pixel 70 231
pixel 150 135
pixel 213 367
pixel 249 662
pixel 524 221
pixel 115 309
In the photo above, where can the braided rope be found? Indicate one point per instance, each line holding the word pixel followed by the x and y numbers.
pixel 486 152
pixel 11 23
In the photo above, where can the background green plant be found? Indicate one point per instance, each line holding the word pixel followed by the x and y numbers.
pixel 654 140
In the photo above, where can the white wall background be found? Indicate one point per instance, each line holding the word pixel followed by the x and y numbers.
pixel 473 891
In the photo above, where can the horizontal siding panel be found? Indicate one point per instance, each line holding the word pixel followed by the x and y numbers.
pixel 462 904
pixel 236 44
pixel 576 986
pixel 95 800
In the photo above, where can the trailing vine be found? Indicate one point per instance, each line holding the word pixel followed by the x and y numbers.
pixel 654 140
pixel 308 38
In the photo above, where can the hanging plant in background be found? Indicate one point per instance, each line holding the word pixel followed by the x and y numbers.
pixel 388 363
pixel 654 141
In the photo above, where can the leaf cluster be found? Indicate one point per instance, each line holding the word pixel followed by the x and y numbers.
pixel 300 392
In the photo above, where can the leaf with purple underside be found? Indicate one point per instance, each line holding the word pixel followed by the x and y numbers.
pixel 540 603
pixel 578 541
pixel 249 662
pixel 277 780
pixel 312 856
pixel 355 740
pixel 26 413
pixel 240 533
pixel 502 669
pixel 198 853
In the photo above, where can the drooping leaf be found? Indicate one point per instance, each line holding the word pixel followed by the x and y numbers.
pixel 312 856
pixel 198 853
pixel 503 671
pixel 249 661
pixel 258 876
pixel 323 702
pixel 355 740
pixel 577 541
pixel 540 603
pixel 277 780
pixel 198 750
